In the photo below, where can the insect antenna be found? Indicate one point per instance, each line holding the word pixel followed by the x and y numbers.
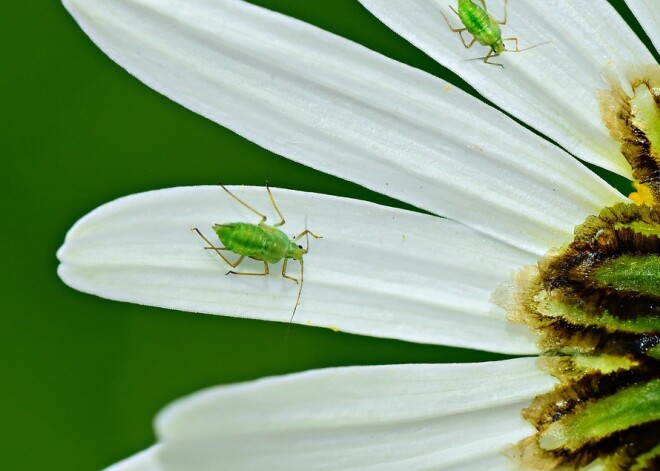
pixel 299 291
pixel 527 48
pixel 301 273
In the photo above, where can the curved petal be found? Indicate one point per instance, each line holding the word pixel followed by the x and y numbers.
pixel 146 460
pixel 377 271
pixel 343 109
pixel 451 416
pixel 647 13
pixel 552 87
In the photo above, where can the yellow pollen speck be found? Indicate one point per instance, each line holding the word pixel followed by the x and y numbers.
pixel 333 328
pixel 403 236
pixel 643 195
pixel 447 88
pixel 609 61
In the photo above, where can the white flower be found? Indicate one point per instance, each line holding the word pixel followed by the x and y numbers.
pixel 508 196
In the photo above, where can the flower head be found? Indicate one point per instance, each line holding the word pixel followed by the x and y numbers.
pixel 508 195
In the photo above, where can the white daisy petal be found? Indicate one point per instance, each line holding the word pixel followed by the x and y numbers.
pixel 377 271
pixel 552 87
pixel 143 461
pixel 376 417
pixel 343 109
pixel 647 13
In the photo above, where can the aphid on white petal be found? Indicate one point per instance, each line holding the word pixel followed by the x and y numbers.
pixel 484 28
pixel 260 241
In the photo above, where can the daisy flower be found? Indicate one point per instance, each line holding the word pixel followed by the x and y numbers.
pixel 502 199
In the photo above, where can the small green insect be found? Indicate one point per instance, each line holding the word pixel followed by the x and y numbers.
pixel 484 28
pixel 261 241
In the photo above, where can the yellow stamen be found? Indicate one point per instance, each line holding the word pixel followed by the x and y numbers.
pixel 643 195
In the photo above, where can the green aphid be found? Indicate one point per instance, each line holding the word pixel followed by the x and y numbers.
pixel 484 28
pixel 261 241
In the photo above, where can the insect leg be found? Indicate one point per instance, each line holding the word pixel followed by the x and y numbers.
pixel 264 273
pixel 284 271
pixel 305 232
pixel 277 210
pixel 503 22
pixel 218 249
pixel 468 46
pixel 459 30
pixel 262 216
pixel 517 49
pixel 490 54
pixel 455 30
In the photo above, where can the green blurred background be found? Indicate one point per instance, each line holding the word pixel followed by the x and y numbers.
pixel 83 377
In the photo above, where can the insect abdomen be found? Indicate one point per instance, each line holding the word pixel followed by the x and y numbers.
pixel 478 23
pixel 243 238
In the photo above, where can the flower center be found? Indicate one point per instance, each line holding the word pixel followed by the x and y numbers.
pixel 596 306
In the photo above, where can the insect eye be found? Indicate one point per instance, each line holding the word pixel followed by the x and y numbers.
pixel 300 246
